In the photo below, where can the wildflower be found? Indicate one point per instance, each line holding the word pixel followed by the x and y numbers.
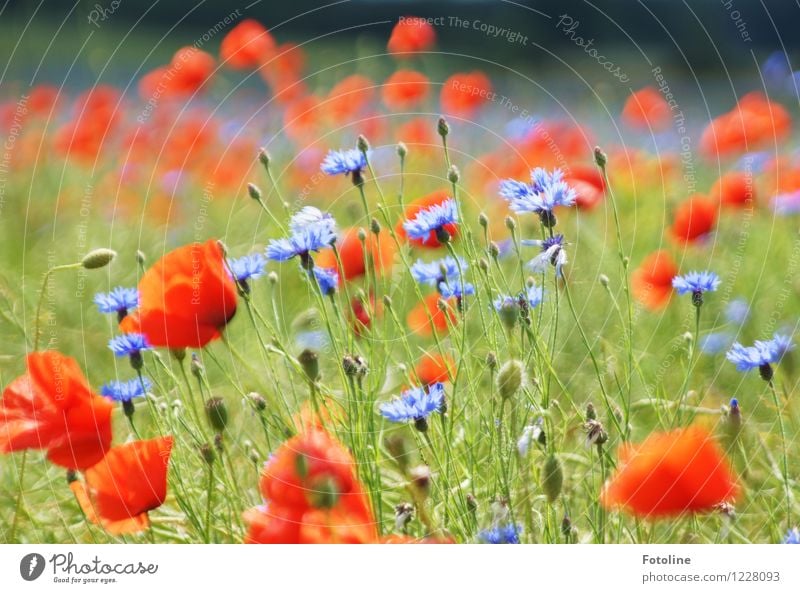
pixel 533 433
pixel 715 342
pixel 52 407
pixel 510 378
pixel 128 344
pixel 348 98
pixel 552 252
pixel 734 189
pixel 186 298
pixel 694 219
pixel 589 185
pixel 670 474
pixel 379 250
pixel 696 283
pixel 411 35
pixel 413 208
pixel 120 300
pixel 128 483
pixel 247 46
pixel 433 220
pixel 435 272
pixel 434 368
pixel 792 536
pixel 427 315
pixel 501 534
pixel 545 192
pixel 125 391
pixel 652 280
pixel 647 110
pixel 327 280
pixel 405 89
pixel 415 405
pixel 247 267
pixel 345 162
pixel 760 355
pixel 302 241
pixel 457 289
pixel 464 93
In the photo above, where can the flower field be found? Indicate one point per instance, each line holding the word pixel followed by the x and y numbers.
pixel 246 298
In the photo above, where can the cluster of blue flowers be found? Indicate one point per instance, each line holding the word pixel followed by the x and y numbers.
pixel 445 274
pixel 501 534
pixel 415 405
pixel 311 230
pixel 431 222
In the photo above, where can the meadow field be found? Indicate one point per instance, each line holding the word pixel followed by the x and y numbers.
pixel 248 298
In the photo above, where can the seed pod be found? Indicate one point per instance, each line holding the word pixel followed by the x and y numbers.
pixel 552 478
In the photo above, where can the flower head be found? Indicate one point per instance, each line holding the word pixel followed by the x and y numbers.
pixel 247 267
pixel 414 405
pixel 125 391
pixel 457 288
pixel 760 354
pixel 435 272
pixel 432 220
pixel 327 279
pixel 308 216
pixel 343 162
pixel 552 252
pixel 119 300
pixel 696 283
pixel 501 534
pixel 545 192
pixel 128 344
pixel 305 238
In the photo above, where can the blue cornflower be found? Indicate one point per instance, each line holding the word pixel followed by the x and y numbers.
pixel 432 220
pixel 432 273
pixel 120 300
pixel 761 355
pixel 458 289
pixel 415 405
pixel 510 307
pixel 696 283
pixel 128 344
pixel 715 342
pixel 501 534
pixel 531 433
pixel 552 252
pixel 792 536
pixel 545 192
pixel 248 267
pixel 534 295
pixel 125 391
pixel 328 280
pixel 737 311
pixel 344 162
pixel 311 231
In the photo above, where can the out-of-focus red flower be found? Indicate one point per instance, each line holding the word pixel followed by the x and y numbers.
pixel 734 189
pixel 302 119
pixel 670 474
pixel 283 72
pixel 42 99
pixel 379 248
pixel 312 495
pixel 646 109
pixel 754 123
pixel 185 299
pixel 652 280
pixel 418 134
pixel 52 407
pixel 348 98
pixel 247 46
pixel 410 35
pixel 405 89
pixel 587 181
pixel 188 71
pixel 125 485
pixel 420 317
pixel 694 219
pixel 96 119
pixel 363 316
pixel 413 208
pixel 465 92
pixel 434 368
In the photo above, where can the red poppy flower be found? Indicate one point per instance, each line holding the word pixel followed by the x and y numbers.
pixel 652 280
pixel 349 97
pixel 96 120
pixel 434 368
pixel 362 316
pixel 302 119
pixel 420 317
pixel 670 474
pixel 188 71
pixel 248 45
pixel 464 92
pixel 125 485
pixel 411 34
pixel 53 408
pixel 42 99
pixel 646 109
pixel 416 206
pixel 418 134
pixel 587 181
pixel 405 89
pixel 694 218
pixel 734 189
pixel 272 524
pixel 380 249
pixel 185 299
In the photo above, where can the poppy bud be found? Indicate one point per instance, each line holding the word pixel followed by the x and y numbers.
pixel 510 378
pixel 362 235
pixel 324 493
pixel 494 250
pixel 604 281
pixel 207 453
pixel 403 514
pixel 511 224
pixel 600 157
pixel 310 362
pixel 254 192
pixel 273 278
pixel 98 258
pixel 362 143
pixel 552 478
pixel 263 157
pixel 140 257
pixel 509 313
pixel 257 401
pixel 491 360
pixel 443 127
pixel 453 174
pixel 402 150
pixel 387 301
pixel 253 456
pixel 421 479
pixel 375 226
pixel 217 414
pixel 483 220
